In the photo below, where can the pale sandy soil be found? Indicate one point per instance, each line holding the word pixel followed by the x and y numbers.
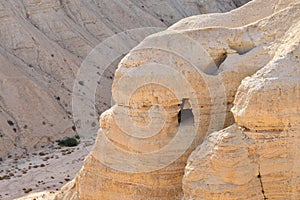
pixel 45 170
pixel 47 195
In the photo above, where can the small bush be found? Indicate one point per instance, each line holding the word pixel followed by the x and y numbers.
pixel 68 142
pixel 77 137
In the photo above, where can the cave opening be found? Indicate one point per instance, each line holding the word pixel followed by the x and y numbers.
pixel 185 114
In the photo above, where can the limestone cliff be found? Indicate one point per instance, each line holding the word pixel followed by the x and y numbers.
pixel 258 157
pixel 180 87
pixel 42 46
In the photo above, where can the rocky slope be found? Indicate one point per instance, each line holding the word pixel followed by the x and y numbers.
pixel 42 45
pixel 258 157
pixel 180 87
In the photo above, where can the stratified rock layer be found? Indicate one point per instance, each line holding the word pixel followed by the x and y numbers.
pixel 42 46
pixel 200 69
pixel 258 157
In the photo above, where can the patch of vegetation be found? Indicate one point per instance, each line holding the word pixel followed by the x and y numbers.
pixel 77 137
pixel 27 190
pixel 69 141
pixel 11 123
pixel 81 83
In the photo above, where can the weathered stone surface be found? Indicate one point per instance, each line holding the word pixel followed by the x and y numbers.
pixel 201 64
pixel 242 164
pixel 42 46
pixel 234 163
pixel 258 157
pixel 236 18
pixel 269 100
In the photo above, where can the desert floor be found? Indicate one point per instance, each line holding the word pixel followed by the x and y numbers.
pixel 45 170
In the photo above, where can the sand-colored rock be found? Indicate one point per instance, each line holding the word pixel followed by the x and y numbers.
pixel 235 18
pixel 257 158
pixel 242 164
pixel 200 65
pixel 155 73
pixel 42 46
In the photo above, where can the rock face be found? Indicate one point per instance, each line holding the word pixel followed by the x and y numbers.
pixel 258 157
pixel 177 87
pixel 42 46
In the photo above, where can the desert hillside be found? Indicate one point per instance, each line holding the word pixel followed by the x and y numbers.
pixel 207 109
pixel 43 46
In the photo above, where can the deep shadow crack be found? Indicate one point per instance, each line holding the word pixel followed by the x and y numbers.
pixel 261 184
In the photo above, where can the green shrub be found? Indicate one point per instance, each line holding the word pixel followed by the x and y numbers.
pixel 77 137
pixel 68 142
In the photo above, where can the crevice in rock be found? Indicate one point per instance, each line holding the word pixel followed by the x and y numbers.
pixel 261 184
pixel 221 59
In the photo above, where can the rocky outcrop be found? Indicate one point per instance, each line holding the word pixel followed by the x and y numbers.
pixel 258 157
pixel 42 46
pixel 177 87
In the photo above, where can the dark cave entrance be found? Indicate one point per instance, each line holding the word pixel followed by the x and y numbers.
pixel 185 114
